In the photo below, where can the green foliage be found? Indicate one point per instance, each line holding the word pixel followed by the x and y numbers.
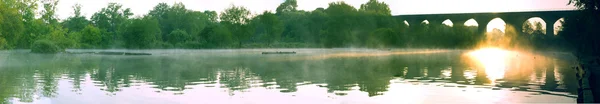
pixel 11 27
pixel 235 15
pixel 77 22
pixel 141 33
pixel 91 37
pixel 235 18
pixel 287 6
pixel 175 26
pixel 45 46
pixel 178 37
pixel 268 28
pixel 176 17
pixel 340 25
pixel 376 7
pixel 3 44
pixel 48 14
pixel 218 36
pixel 586 4
pixel 382 37
pixel 58 35
pixel 580 30
pixel 111 19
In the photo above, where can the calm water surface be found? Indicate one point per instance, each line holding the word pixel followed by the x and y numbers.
pixel 312 76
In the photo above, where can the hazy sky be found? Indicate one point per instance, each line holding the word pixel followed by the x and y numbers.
pixel 141 7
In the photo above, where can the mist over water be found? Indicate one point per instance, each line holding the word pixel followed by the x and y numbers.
pixel 310 76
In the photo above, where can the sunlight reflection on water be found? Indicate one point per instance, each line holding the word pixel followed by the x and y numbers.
pixel 493 61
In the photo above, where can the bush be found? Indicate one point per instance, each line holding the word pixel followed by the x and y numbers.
pixel 3 44
pixel 45 46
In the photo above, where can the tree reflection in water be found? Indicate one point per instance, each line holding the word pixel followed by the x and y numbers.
pixel 23 76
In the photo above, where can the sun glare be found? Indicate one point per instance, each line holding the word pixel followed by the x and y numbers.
pixel 493 60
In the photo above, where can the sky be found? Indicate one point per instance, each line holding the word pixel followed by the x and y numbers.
pixel 398 7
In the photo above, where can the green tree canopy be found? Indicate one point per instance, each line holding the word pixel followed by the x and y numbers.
pixel 76 22
pixel 268 27
pixel 374 6
pixel 141 33
pixel 111 18
pixel 287 6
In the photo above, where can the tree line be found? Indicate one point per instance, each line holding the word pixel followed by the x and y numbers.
pixel 175 26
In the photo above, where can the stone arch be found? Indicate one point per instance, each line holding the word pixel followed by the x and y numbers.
pixel 425 22
pixel 558 25
pixel 448 22
pixel 496 23
pixel 471 22
pixel 530 25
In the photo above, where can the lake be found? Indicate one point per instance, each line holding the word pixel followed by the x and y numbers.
pixel 311 76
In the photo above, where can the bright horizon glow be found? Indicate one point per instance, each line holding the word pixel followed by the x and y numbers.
pixel 398 7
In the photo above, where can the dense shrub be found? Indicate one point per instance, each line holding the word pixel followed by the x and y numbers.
pixel 45 46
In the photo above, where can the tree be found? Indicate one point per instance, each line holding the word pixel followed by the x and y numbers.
pixel 76 22
pixel 235 15
pixel 91 36
pixel 295 26
pixel 111 19
pixel 235 18
pixel 287 6
pixel 212 16
pixel 141 33
pixel 218 36
pixel 48 14
pixel 376 7
pixel 58 35
pixel 581 33
pixel 179 36
pixel 11 27
pixel 340 24
pixel 268 27
pixel 177 17
pixel 381 38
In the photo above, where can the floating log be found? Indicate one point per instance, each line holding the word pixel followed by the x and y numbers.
pixel 278 52
pixel 110 53
pixel 122 53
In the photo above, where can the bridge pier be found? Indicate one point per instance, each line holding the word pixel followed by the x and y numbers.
pixel 459 22
pixel 482 23
pixel 550 26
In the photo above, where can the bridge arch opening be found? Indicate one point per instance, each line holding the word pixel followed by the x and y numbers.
pixel 471 22
pixel 558 25
pixel 496 25
pixel 534 26
pixel 426 22
pixel 448 22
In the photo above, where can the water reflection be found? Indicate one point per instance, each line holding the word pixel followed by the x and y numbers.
pixel 25 77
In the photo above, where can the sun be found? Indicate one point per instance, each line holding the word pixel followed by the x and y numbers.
pixel 493 60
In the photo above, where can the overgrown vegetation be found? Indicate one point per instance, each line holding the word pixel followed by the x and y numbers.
pixel 45 46
pixel 175 26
